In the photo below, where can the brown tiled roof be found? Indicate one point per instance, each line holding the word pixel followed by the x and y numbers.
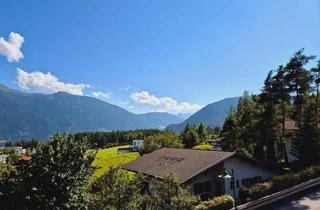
pixel 25 158
pixel 182 163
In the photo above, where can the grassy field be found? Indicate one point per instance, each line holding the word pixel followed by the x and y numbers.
pixel 203 147
pixel 106 158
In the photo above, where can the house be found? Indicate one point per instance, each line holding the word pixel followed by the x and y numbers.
pixel 200 169
pixel 3 158
pixel 215 143
pixel 290 129
pixel 137 144
pixel 18 150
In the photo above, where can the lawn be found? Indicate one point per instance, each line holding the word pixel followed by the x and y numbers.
pixel 106 158
pixel 203 147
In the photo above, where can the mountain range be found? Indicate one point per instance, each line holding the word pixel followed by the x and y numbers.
pixel 212 115
pixel 32 115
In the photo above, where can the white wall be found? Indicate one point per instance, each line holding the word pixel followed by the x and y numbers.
pixel 137 143
pixel 243 170
pixel 288 145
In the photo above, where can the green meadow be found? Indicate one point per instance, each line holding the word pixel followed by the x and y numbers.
pixel 107 158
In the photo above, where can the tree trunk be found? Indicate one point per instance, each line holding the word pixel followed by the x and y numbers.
pixel 283 121
pixel 317 106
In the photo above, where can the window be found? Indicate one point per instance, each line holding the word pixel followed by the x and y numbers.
pixel 250 181
pixel 237 184
pixel 203 187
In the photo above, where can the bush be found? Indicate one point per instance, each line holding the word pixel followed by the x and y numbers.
pixel 224 202
pixel 278 183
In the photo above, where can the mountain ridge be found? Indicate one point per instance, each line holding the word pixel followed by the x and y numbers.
pixel 34 115
pixel 212 115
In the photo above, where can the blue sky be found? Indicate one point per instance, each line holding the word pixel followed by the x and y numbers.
pixel 168 55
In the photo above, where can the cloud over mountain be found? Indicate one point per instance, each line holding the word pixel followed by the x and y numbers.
pixel 163 103
pixel 100 94
pixel 47 83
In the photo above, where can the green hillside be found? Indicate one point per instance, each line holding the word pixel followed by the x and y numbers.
pixel 106 158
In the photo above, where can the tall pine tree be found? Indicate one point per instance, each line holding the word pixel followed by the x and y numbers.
pixel 306 144
pixel 299 80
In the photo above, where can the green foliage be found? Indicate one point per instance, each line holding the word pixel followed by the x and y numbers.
pixel 257 127
pixel 166 139
pixel 56 177
pixel 223 202
pixel 278 183
pixel 108 158
pixel 299 81
pixel 306 145
pixel 202 133
pixel 117 189
pixel 190 137
pixel 115 138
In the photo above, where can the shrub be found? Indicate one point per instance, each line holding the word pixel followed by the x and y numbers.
pixel 278 183
pixel 224 202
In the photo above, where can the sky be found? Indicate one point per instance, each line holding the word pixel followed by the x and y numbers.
pixel 152 55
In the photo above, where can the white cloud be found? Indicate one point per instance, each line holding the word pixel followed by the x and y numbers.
pixel 47 83
pixel 11 49
pixel 164 103
pixel 100 94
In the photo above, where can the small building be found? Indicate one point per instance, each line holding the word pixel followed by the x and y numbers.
pixel 3 158
pixel 137 144
pixel 19 150
pixel 215 144
pixel 201 169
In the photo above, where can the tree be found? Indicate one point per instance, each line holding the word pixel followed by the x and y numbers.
pixel 267 123
pixel 298 79
pixel 316 77
pixel 190 137
pixel 168 194
pixel 117 189
pixel 57 176
pixel 166 139
pixel 282 97
pixel 230 133
pixel 306 145
pixel 202 133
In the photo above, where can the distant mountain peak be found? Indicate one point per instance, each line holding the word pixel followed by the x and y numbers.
pixel 211 115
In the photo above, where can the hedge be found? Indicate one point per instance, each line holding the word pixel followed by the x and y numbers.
pixel 278 183
pixel 224 202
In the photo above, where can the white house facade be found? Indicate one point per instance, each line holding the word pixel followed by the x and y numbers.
pixel 137 144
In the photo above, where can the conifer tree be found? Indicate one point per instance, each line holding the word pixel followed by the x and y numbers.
pixel 282 98
pixel 267 122
pixel 306 144
pixel 298 79
pixel 316 77
pixel 190 137
pixel 202 133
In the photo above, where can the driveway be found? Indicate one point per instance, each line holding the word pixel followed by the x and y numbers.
pixel 310 200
